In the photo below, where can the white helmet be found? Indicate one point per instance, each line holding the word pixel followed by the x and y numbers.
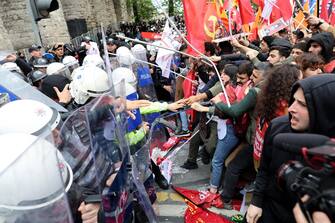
pixel 71 63
pixel 121 73
pixel 90 81
pixel 28 116
pixel 11 66
pixel 58 69
pixel 94 60
pixel 139 52
pixel 124 56
pixel 32 173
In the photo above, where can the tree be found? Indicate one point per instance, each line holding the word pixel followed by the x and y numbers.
pixel 175 7
pixel 143 10
pixel 171 8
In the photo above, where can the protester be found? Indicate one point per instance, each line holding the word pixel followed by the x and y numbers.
pixel 258 59
pixel 310 110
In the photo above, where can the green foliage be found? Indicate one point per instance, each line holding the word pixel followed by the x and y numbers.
pixel 174 7
pixel 143 9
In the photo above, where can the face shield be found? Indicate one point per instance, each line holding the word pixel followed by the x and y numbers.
pixel 65 72
pixel 140 53
pixel 28 116
pixel 72 66
pixel 124 73
pixel 124 56
pixel 34 179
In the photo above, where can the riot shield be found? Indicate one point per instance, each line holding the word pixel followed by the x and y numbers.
pixel 17 88
pixel 34 179
pixel 141 68
pixel 107 128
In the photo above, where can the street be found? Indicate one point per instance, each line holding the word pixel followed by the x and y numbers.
pixel 171 206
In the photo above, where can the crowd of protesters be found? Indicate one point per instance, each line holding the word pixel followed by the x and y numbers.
pixel 281 83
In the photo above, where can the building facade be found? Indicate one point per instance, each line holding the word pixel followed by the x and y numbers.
pixel 72 19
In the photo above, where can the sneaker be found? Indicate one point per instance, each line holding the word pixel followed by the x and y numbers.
pixel 228 205
pixel 189 165
pixel 182 133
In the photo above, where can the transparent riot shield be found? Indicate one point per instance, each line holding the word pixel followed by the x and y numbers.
pixel 17 88
pixel 145 192
pixel 74 144
pixel 34 179
pixel 107 128
pixel 141 68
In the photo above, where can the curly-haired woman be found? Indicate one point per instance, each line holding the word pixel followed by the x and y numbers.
pixel 273 102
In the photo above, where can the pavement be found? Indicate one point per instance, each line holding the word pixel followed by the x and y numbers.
pixel 170 206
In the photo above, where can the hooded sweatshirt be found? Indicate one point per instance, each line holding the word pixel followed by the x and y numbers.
pixel 319 93
pixel 326 41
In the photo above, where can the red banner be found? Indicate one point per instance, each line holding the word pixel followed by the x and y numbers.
pixel 151 35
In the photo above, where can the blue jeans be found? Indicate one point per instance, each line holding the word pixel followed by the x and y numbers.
pixel 223 149
pixel 184 121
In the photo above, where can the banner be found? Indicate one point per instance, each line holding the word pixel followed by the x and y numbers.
pixel 268 30
pixel 164 57
pixel 150 35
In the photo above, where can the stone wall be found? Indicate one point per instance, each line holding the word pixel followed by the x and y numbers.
pixel 5 43
pixel 17 21
pixel 54 29
pixel 16 26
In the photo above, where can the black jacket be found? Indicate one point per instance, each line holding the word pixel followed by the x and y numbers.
pixel 319 93
pixel 326 41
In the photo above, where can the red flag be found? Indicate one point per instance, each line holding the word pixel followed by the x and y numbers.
pixel 189 89
pixel 236 17
pixel 205 199
pixel 195 35
pixel 247 13
pixel 256 25
pixel 332 18
pixel 260 3
pixel 332 14
pixel 202 22
pixel 198 214
pixel 281 9
pixel 324 11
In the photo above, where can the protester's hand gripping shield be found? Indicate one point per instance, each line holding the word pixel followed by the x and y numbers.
pixel 34 179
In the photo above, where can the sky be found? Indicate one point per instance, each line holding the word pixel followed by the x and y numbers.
pixel 156 2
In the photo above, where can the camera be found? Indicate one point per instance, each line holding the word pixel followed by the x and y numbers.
pixel 312 175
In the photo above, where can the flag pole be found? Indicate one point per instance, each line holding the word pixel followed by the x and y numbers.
pixel 152 64
pixel 196 50
pixel 229 18
pixel 166 48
